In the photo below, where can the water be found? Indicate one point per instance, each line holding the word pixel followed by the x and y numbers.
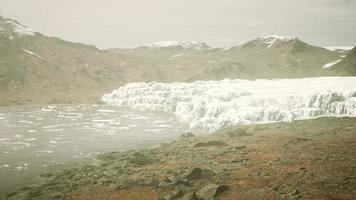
pixel 38 139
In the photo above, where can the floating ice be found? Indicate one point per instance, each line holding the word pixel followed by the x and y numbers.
pixel 214 104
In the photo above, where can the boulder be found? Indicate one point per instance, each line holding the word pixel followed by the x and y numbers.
pixel 198 173
pixel 209 192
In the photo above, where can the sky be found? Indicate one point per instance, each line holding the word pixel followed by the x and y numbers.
pixel 129 23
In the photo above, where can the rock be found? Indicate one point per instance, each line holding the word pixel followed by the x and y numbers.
pixel 194 174
pixel 47 175
pixel 207 173
pixel 221 189
pixel 188 135
pixel 140 159
pixel 175 184
pixel 189 196
pixel 175 195
pixel 198 173
pixel 210 143
pixel 295 192
pixel 209 192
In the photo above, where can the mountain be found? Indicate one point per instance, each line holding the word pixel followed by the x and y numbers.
pixel 347 66
pixel 275 57
pixel 35 68
pixel 164 49
pixel 265 57
pixel 38 69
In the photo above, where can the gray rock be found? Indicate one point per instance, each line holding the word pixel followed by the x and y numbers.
pixel 189 196
pixel 188 135
pixel 198 173
pixel 209 192
pixel 175 195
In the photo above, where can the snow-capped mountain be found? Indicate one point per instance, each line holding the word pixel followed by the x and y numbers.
pixel 11 28
pixel 213 104
pixel 269 41
pixel 347 65
pixel 166 49
pixel 186 45
pixel 35 68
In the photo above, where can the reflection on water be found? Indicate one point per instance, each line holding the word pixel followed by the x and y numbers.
pixel 36 139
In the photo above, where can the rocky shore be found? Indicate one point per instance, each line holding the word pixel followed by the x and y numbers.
pixel 308 159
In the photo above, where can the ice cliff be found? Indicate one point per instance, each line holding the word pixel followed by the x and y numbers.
pixel 212 104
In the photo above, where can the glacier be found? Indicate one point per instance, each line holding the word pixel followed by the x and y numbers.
pixel 210 105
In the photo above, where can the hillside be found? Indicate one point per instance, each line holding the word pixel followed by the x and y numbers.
pixel 347 66
pixel 265 57
pixel 37 69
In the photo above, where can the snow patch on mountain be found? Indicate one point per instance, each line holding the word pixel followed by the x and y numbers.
pixel 181 44
pixel 12 26
pixel 32 53
pixel 332 63
pixel 271 40
pixel 336 48
pixel 213 104
pixel 176 56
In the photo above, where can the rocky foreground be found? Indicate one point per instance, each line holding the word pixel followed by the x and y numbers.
pixel 311 159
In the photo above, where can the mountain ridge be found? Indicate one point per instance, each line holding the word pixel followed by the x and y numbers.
pixel 38 69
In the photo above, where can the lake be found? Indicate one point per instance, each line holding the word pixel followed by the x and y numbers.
pixel 39 139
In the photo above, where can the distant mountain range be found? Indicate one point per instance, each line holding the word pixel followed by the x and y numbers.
pixel 36 69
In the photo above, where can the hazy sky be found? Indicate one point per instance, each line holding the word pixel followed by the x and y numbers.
pixel 127 23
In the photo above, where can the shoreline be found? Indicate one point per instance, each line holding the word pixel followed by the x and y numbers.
pixel 307 159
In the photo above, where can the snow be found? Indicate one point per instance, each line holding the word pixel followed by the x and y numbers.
pixel 31 53
pixel 226 49
pixel 19 29
pixel 182 44
pixel 271 40
pixel 330 64
pixel 210 105
pixel 176 56
pixel 335 48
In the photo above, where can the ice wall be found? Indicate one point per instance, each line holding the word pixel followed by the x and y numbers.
pixel 213 104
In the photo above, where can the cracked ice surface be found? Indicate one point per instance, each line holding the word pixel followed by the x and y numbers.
pixel 211 105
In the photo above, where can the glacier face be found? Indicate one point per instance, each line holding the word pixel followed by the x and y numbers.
pixel 210 105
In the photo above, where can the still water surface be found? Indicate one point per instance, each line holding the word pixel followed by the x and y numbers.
pixel 38 139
